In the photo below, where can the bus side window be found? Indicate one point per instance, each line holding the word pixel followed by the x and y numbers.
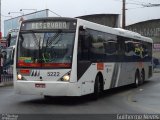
pixel 121 48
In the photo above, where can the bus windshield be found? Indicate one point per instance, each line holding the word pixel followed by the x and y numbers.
pixel 45 49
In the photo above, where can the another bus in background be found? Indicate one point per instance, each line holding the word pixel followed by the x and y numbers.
pixel 8 52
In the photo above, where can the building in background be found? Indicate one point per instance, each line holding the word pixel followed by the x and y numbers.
pixel 14 23
pixel 111 20
pixel 150 28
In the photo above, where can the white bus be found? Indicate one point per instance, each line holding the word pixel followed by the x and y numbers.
pixel 74 57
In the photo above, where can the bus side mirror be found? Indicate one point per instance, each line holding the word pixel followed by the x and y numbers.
pixel 12 59
pixel 8 40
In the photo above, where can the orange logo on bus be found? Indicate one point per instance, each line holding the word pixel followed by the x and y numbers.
pixel 100 66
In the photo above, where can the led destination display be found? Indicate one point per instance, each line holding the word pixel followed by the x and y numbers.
pixel 49 25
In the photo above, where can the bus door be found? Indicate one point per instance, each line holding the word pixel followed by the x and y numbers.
pixel 83 53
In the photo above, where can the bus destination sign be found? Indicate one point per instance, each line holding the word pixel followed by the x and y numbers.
pixel 49 25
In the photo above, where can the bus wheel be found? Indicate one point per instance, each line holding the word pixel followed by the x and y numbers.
pixel 137 80
pixel 142 76
pixel 97 88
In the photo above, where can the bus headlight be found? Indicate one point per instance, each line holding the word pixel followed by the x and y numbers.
pixel 66 77
pixel 19 77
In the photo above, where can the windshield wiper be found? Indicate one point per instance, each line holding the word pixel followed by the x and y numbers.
pixel 53 38
pixel 45 54
pixel 37 42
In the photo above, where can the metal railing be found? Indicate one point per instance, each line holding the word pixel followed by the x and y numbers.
pixel 6 76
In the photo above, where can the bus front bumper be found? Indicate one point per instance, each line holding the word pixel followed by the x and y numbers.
pixel 47 88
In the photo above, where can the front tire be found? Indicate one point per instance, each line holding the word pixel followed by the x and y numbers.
pixel 97 88
pixel 142 76
pixel 137 80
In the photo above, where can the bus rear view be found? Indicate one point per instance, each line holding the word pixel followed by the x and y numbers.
pixel 44 57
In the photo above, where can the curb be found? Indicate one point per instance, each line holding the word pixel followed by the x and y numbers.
pixel 1 84
pixel 6 84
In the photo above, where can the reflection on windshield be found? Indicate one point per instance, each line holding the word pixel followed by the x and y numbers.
pixel 45 49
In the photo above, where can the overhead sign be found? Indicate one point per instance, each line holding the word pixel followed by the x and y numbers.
pixel 48 25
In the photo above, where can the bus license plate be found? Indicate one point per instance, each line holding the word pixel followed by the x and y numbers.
pixel 40 85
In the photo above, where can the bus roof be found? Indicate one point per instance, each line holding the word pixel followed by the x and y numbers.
pixel 91 25
pixel 50 18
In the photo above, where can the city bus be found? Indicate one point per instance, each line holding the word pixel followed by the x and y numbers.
pixel 61 56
